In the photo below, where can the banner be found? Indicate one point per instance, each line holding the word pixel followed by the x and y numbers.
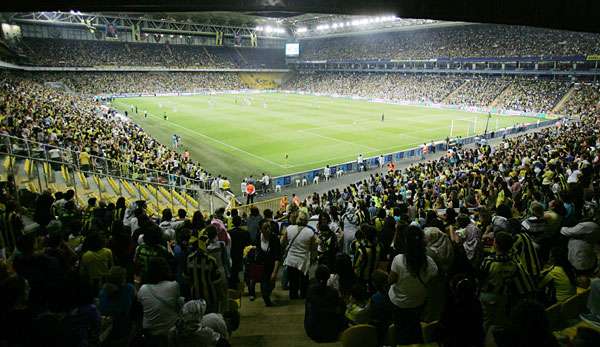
pixel 111 31
pixel 253 40
pixel 219 38
pixel 136 32
pixel 594 57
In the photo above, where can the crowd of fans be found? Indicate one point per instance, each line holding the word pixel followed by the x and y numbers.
pixel 481 240
pixel 479 40
pixel 395 87
pixel 522 94
pixel 88 133
pixel 96 83
pixel 82 53
pixel 533 95
pixel 584 100
pixel 478 91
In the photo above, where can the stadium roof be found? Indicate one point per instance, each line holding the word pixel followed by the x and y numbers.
pixel 580 15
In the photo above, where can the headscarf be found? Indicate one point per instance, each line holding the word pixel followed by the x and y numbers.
pixel 439 247
pixel 190 330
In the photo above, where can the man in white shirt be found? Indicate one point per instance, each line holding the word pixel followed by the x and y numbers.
pixel 243 187
pixel 360 163
pixel 327 172
pixel 381 161
pixel 265 180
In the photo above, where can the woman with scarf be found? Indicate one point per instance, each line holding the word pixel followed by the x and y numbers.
pixel 194 328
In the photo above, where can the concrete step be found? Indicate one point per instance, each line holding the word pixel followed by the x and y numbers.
pixel 282 325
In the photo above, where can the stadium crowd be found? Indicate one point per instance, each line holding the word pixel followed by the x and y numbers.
pixel 584 100
pixel 478 91
pixel 482 240
pixel 85 53
pixel 478 40
pixel 96 83
pixel 533 95
pixel 90 134
pixel 522 94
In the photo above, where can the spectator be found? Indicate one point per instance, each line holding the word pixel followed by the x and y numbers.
pixel 299 241
pixel 505 282
pixel 408 278
pixel 160 299
pixel 323 315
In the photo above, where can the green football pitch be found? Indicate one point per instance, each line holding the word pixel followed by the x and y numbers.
pixel 246 134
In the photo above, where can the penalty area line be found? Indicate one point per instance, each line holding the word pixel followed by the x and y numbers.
pixel 222 143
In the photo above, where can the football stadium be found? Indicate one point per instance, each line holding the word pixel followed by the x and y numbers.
pixel 301 174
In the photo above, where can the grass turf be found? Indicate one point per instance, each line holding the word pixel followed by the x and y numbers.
pixel 241 135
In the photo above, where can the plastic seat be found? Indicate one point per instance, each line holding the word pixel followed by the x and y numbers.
pixel 430 331
pixel 553 314
pixel 362 335
pixel 573 306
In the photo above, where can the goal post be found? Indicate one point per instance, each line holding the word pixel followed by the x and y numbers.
pixel 463 127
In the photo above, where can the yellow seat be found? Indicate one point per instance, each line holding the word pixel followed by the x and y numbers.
pixel 362 335
pixel 573 306
pixel 235 295
pixel 430 331
pixel 553 314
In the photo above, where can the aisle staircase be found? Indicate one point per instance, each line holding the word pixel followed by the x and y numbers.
pixel 559 105
pixel 209 56
pixel 282 325
pixel 503 94
pixel 454 92
pixel 242 58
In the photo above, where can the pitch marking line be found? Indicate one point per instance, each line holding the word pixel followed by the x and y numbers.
pixel 223 143
pixel 338 140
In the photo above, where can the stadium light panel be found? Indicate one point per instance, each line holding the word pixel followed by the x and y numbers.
pixel 302 30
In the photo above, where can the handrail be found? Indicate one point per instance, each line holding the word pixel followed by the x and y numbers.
pixel 8 141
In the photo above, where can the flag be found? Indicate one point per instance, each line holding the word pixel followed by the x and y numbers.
pixel 219 38
pixel 136 33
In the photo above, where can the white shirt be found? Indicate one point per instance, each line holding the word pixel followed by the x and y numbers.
pixel 298 255
pixel 327 171
pixel 409 291
pixel 265 180
pixel 160 304
pixel 574 176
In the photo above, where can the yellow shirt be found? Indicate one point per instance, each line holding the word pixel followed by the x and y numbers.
pixel 96 264
pixel 84 158
pixel 562 284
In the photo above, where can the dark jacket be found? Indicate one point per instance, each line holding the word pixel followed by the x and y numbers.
pixel 323 314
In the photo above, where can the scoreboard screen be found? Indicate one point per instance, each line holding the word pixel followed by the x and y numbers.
pixel 292 50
